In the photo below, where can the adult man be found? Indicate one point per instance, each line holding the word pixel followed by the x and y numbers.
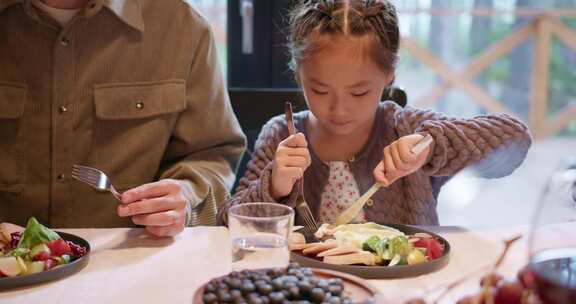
pixel 131 87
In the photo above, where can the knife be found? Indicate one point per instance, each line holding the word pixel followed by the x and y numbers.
pixel 349 214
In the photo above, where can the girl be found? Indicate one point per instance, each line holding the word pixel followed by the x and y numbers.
pixel 344 55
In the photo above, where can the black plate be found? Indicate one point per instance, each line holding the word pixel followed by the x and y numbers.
pixel 54 273
pixel 382 272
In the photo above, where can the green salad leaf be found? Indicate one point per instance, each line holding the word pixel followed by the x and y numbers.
pixel 18 252
pixel 371 244
pixel 35 234
pixel 400 246
pixel 381 247
pixel 377 246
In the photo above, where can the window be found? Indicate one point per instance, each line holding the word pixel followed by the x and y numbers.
pixel 455 33
pixel 257 53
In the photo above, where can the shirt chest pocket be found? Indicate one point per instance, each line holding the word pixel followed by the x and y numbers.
pixel 139 101
pixel 12 153
pixel 133 126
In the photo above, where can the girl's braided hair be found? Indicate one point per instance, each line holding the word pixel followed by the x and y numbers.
pixel 313 19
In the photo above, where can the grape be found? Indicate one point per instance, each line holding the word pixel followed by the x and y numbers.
pixel 210 298
pixel 317 295
pixel 335 289
pixel 234 283
pixel 247 287
pixel 334 300
pixel 509 293
pixel 15 239
pixel 255 300
pixel 526 278
pixel 276 297
pixel 210 287
pixel 264 289
pixel 294 293
pixel 323 284
pixel 77 250
pixel 224 296
pixel 236 294
pixel 277 284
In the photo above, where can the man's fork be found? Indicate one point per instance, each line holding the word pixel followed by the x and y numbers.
pixel 95 178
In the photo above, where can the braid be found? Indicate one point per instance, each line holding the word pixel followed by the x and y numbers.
pixel 325 7
pixel 381 16
pixel 373 8
pixel 313 18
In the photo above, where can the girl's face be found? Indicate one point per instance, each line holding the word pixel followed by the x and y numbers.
pixel 342 85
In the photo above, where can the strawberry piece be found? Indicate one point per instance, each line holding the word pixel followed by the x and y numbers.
pixel 433 247
pixel 59 247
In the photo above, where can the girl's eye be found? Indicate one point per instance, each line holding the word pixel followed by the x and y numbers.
pixel 360 94
pixel 319 92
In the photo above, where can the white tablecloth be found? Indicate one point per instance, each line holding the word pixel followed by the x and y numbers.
pixel 129 266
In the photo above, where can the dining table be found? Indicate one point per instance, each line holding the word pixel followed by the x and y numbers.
pixel 127 265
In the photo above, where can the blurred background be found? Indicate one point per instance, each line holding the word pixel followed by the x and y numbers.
pixel 461 57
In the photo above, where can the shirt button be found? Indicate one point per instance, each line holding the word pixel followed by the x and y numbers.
pixel 62 110
pixel 64 41
pixel 140 105
pixel 369 202
pixel 61 178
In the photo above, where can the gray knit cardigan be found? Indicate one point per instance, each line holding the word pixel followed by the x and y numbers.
pixel 491 145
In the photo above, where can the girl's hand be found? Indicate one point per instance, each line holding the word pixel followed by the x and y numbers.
pixel 399 161
pixel 291 160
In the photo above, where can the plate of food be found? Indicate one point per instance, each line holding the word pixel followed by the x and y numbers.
pixel 371 251
pixel 294 283
pixel 38 254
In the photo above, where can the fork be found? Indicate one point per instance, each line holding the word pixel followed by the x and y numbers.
pixel 301 205
pixel 95 178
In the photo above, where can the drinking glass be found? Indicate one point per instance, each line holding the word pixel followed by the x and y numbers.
pixel 259 233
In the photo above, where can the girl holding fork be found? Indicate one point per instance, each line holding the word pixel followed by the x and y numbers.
pixel 344 55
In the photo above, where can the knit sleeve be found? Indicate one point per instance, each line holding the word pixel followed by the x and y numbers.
pixel 492 145
pixel 254 186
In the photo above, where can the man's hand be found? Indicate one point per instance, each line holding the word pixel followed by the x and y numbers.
pixel 160 206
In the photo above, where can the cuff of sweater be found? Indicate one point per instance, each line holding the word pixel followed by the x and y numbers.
pixel 192 200
pixel 438 156
pixel 265 191
pixel 188 215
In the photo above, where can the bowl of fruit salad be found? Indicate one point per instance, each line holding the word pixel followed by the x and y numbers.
pixel 38 254
pixel 371 250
